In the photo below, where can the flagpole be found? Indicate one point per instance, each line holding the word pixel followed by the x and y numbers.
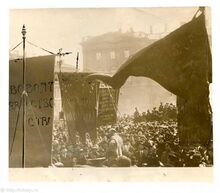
pixel 77 61
pixel 24 94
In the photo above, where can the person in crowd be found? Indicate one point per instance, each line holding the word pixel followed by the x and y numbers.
pixel 128 149
pixel 115 143
pixel 88 140
pixel 141 156
pixel 136 115
pixel 165 158
pixel 81 158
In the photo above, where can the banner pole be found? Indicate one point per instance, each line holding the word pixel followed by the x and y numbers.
pixel 77 61
pixel 24 94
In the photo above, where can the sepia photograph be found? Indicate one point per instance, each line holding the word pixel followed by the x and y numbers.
pixel 122 88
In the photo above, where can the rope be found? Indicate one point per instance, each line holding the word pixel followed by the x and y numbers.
pixel 68 102
pixel 40 48
pixel 16 46
pixel 201 9
pixel 15 130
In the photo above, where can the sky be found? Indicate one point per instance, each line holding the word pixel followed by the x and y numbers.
pixel 52 29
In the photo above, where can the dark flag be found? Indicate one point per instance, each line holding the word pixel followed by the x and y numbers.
pixel 107 105
pixel 181 63
pixel 79 104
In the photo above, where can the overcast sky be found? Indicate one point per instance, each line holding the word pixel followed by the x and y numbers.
pixel 64 28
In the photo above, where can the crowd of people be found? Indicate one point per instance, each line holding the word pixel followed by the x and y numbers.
pixel 134 141
pixel 164 112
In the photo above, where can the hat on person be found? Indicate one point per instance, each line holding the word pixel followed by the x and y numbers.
pixel 112 130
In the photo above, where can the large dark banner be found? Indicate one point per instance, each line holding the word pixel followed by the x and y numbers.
pixel 107 105
pixel 181 62
pixel 79 104
pixel 39 111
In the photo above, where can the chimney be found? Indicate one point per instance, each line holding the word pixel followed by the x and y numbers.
pixel 131 30
pixel 151 29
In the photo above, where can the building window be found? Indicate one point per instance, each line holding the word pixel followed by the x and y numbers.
pixel 112 55
pixel 98 55
pixel 126 53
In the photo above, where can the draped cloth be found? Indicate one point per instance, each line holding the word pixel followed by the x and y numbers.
pixel 79 104
pixel 181 63
pixel 38 115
